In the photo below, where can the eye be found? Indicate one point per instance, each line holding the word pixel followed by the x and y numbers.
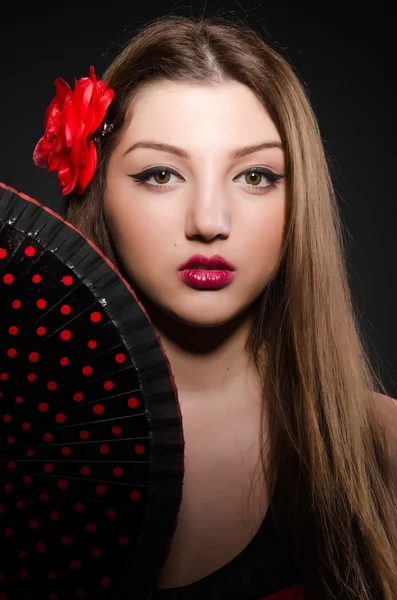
pixel 161 176
pixel 256 175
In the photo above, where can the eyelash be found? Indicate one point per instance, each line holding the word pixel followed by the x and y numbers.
pixel 141 178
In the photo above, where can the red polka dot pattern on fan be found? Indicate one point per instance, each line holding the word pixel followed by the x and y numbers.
pixel 65 473
pixel 75 434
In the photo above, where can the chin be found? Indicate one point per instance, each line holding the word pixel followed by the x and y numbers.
pixel 202 309
pixel 213 314
pixel 204 321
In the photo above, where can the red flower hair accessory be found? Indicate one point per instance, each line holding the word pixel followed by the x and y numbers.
pixel 71 119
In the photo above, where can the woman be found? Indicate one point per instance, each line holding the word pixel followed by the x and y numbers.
pixel 212 196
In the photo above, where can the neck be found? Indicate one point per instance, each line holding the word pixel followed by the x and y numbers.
pixel 207 362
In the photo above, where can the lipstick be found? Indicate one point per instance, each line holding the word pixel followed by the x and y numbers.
pixel 202 272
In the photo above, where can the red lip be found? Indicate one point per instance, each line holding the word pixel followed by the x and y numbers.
pixel 198 261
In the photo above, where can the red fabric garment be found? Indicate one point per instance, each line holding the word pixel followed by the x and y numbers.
pixel 294 592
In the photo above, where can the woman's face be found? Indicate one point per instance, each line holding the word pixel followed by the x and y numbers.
pixel 203 199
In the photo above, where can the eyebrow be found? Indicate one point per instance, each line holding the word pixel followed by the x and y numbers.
pixel 236 153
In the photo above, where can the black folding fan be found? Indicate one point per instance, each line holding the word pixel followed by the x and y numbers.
pixel 91 431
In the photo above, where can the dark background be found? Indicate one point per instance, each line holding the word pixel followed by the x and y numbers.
pixel 343 53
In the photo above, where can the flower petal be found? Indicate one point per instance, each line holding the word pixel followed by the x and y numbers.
pixel 82 96
pixel 54 162
pixel 66 178
pixel 75 153
pixel 89 121
pixel 101 107
pixel 51 111
pixel 87 170
pixel 40 152
pixel 69 121
pixel 62 90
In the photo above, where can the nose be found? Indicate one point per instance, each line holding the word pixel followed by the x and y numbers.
pixel 208 216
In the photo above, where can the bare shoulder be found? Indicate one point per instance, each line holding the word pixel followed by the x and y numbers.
pixel 388 413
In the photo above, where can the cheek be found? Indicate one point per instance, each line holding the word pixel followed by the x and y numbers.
pixel 262 241
pixel 141 235
pixel 138 239
pixel 137 220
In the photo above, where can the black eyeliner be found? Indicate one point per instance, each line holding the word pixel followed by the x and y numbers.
pixel 271 175
pixel 140 177
pixel 144 175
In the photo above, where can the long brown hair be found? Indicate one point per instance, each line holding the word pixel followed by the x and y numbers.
pixel 334 504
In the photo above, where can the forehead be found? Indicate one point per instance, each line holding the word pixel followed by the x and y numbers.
pixel 198 112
